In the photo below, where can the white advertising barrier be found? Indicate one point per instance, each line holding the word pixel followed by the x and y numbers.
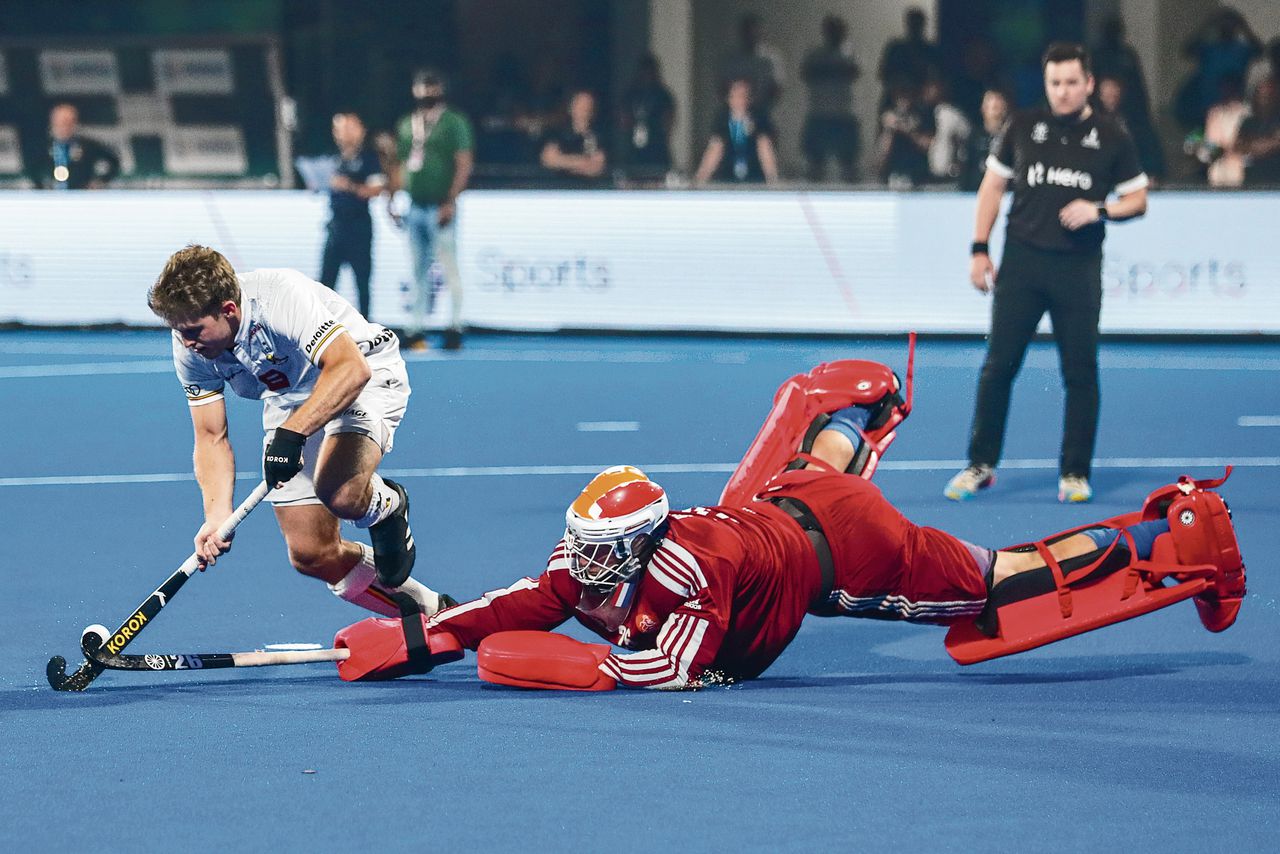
pixel 89 257
pixel 839 262
pixel 725 261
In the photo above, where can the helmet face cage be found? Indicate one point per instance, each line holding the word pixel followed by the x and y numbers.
pixel 602 565
pixel 612 527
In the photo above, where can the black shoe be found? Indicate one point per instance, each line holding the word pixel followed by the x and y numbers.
pixel 453 339
pixel 393 548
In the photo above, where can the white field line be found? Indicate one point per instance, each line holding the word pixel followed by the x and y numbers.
pixel 1179 463
pixel 1035 361
pixel 608 426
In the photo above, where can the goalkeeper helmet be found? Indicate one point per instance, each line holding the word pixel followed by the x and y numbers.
pixel 613 527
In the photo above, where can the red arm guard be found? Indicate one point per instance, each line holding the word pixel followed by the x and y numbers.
pixel 543 660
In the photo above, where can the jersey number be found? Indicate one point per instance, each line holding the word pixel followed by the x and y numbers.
pixel 274 380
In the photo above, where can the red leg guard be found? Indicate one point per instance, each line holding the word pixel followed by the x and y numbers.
pixel 380 651
pixel 828 388
pixel 1199 557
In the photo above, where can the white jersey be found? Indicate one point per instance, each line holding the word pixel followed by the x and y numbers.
pixel 287 322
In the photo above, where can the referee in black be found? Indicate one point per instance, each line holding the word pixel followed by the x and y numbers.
pixel 1063 162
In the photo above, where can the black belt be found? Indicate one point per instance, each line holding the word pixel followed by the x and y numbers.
pixel 813 530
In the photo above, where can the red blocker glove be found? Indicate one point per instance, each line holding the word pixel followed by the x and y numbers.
pixel 380 649
pixel 543 660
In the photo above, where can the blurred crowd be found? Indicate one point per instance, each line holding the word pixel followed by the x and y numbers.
pixel 934 125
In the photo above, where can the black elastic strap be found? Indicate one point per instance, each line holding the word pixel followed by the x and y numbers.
pixel 414 636
pixel 813 530
pixel 816 426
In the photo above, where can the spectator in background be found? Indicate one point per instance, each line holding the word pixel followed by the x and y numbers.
pixel 645 120
pixel 951 133
pixel 349 233
pixel 906 133
pixel 574 152
pixel 758 63
pixel 981 143
pixel 908 62
pixel 1268 66
pixel 978 74
pixel 1114 57
pixel 1108 97
pixel 1224 164
pixel 503 135
pixel 1117 61
pixel 1222 48
pixel 741 148
pixel 831 128
pixel 1259 138
pixel 73 161
pixel 434 152
pixel 547 97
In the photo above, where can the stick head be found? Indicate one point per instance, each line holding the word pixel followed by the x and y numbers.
pixel 56 672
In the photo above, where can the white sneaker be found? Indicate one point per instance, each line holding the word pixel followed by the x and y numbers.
pixel 967 483
pixel 1074 489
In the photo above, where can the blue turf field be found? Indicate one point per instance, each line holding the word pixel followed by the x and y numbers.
pixel 1150 736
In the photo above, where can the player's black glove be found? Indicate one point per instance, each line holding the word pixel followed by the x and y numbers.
pixel 283 458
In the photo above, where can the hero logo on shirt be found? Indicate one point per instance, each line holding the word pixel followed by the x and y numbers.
pixel 319 335
pixel 1091 139
pixel 1040 132
pixel 1058 176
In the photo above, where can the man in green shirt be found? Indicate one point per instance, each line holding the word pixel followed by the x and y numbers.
pixel 434 147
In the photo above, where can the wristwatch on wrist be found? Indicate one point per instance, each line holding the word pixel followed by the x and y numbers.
pixel 1102 211
pixel 979 247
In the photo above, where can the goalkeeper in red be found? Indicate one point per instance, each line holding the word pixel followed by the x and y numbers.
pixel 713 594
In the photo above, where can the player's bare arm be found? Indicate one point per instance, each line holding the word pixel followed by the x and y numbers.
pixel 343 374
pixel 215 470
pixel 982 273
pixel 1081 212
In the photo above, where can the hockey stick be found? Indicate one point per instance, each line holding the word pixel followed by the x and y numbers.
pixel 56 670
pixel 91 643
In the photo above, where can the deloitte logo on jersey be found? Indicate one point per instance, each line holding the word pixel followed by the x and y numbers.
pixel 1059 176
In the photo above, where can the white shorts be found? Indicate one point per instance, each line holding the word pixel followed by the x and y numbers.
pixel 376 413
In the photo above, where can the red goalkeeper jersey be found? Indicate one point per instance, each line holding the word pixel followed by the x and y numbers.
pixel 728 588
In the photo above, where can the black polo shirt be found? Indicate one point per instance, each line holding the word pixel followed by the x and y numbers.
pixel 1053 161
pixel 348 208
pixel 741 160
pixel 570 142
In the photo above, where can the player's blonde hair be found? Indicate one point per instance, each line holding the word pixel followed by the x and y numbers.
pixel 195 282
